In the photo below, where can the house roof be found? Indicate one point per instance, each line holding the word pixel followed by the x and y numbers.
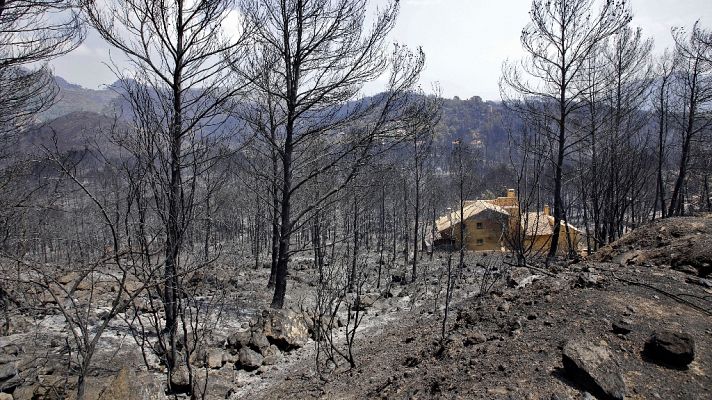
pixel 471 209
pixel 538 224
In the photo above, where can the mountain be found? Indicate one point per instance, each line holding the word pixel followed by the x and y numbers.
pixel 74 98
pixel 475 122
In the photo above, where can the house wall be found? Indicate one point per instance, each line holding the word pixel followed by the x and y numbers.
pixel 542 243
pixel 485 238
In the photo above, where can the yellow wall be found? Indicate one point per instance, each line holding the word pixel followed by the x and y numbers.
pixel 542 243
pixel 490 234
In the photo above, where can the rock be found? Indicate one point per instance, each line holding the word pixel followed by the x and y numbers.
pixel 671 348
pixel 272 355
pixel 239 339
pixel 622 326
pixel 685 268
pixel 699 281
pixel 285 328
pixel 24 392
pixel 258 340
pixel 8 371
pixel 476 337
pixel 68 278
pixel 215 359
pixel 504 306
pixel 180 377
pixel 5 396
pixel 364 301
pixel 392 291
pixel 127 385
pixel 589 279
pixel 594 367
pixel 521 277
pixel 249 359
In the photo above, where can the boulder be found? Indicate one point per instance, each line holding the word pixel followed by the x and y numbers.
pixel 215 359
pixel 25 392
pixel 239 339
pixel 8 371
pixel 126 385
pixel 5 396
pixel 249 359
pixel 180 378
pixel 258 340
pixel 594 368
pixel 671 348
pixel 285 328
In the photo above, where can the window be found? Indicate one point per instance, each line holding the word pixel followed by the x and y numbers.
pixel 479 225
pixel 480 242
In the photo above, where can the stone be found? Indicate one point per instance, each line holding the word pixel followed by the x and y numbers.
pixel 24 392
pixel 271 355
pixel 521 277
pixel 622 326
pixel 392 291
pixel 671 348
pixel 504 306
pixel 685 268
pixel 285 328
pixel 127 385
pixel 589 279
pixel 258 340
pixel 8 371
pixel 249 359
pixel 5 396
pixel 699 281
pixel 239 339
pixel 180 377
pixel 476 337
pixel 594 368
pixel 364 301
pixel 215 359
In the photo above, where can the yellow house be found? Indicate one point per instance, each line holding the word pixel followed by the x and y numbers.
pixel 497 224
pixel 484 226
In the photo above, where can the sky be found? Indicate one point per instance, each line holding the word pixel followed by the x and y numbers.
pixel 465 41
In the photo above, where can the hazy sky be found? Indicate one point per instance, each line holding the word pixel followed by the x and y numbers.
pixel 465 41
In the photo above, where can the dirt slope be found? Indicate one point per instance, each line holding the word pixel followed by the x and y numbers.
pixel 683 243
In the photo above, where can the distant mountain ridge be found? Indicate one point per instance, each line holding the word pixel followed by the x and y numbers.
pixel 473 121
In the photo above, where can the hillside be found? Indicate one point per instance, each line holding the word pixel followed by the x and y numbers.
pixel 588 330
pixel 74 131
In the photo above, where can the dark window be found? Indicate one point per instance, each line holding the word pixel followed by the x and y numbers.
pixel 480 241
pixel 479 225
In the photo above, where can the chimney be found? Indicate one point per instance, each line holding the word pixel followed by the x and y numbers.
pixel 547 209
pixel 511 193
